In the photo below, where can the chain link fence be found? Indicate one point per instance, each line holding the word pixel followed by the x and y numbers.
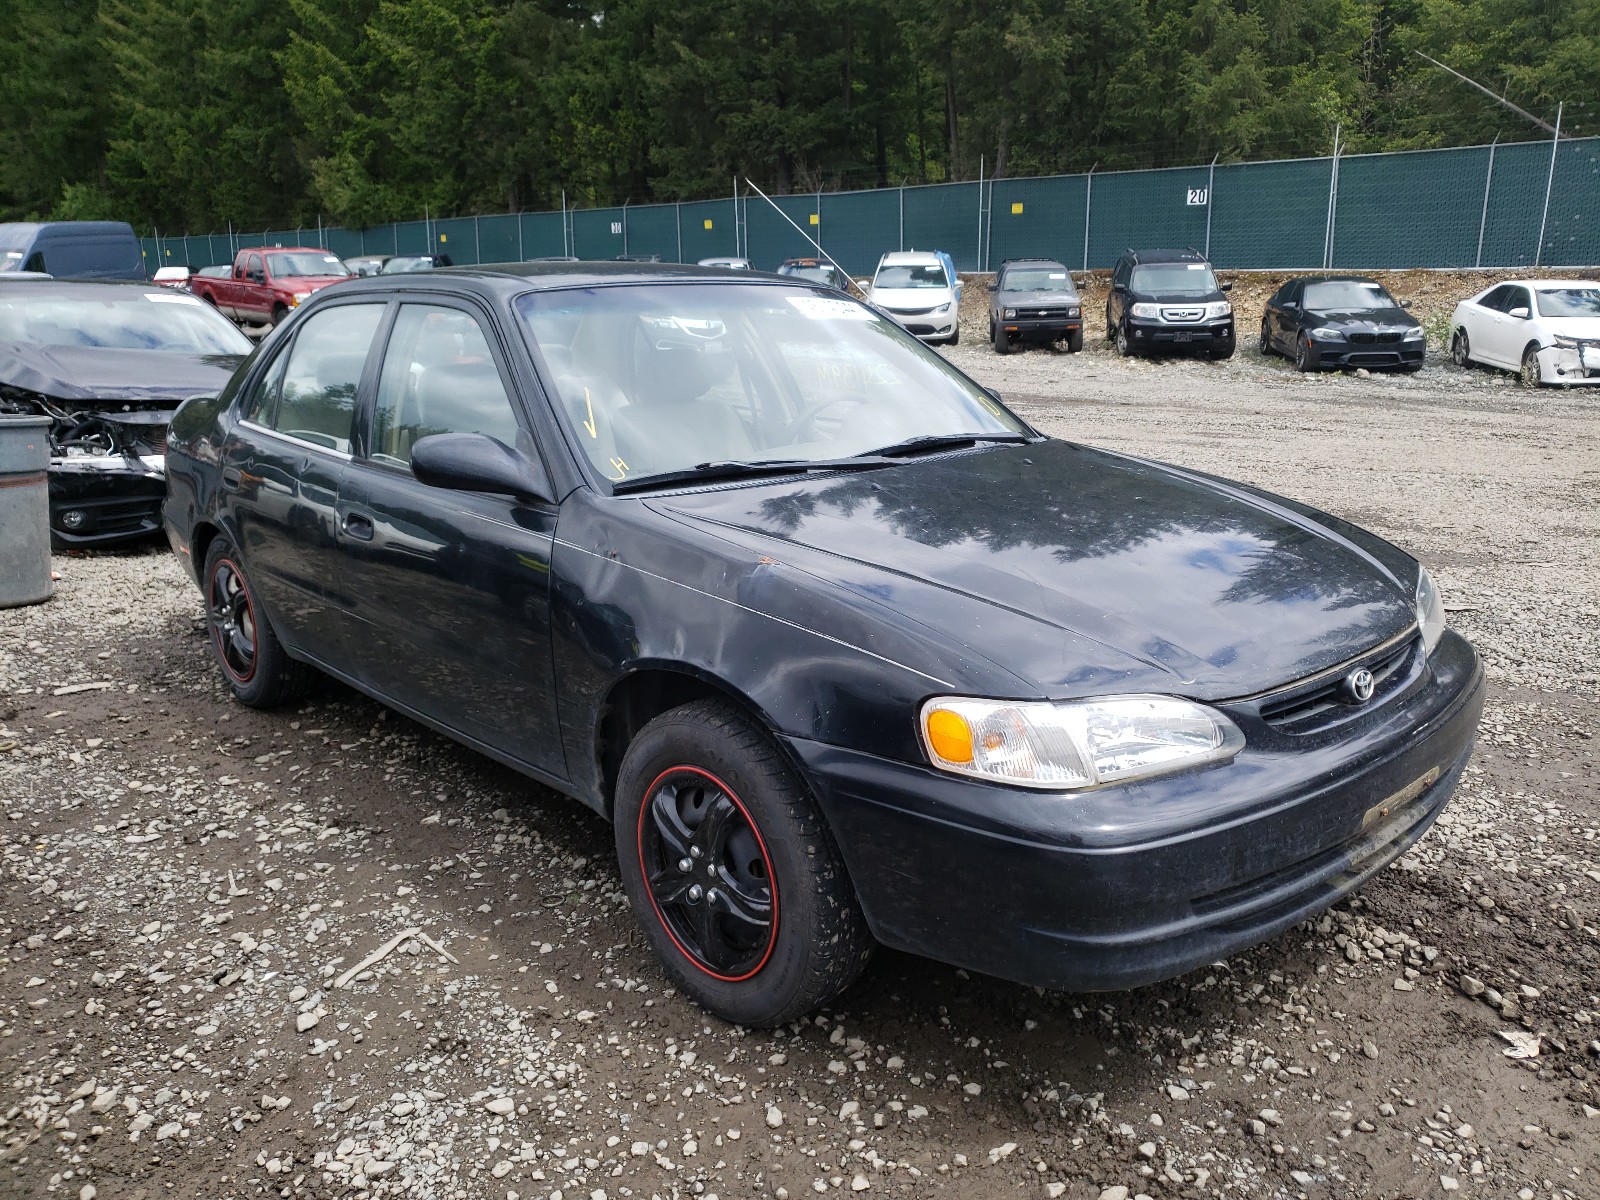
pixel 1512 205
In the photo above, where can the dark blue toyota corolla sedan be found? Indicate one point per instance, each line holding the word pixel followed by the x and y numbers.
pixel 846 651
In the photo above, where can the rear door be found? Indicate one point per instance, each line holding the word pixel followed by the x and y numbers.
pixel 449 591
pixel 281 468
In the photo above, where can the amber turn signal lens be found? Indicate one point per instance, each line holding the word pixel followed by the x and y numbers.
pixel 949 736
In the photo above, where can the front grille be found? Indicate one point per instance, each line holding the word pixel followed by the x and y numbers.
pixel 1183 314
pixel 1300 708
pixel 1368 338
pixel 1042 313
pixel 910 312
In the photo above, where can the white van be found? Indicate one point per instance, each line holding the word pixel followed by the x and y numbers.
pixel 916 289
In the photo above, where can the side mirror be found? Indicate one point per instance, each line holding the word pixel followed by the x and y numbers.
pixel 1519 313
pixel 992 286
pixel 1289 306
pixel 1405 304
pixel 475 462
pixel 1224 287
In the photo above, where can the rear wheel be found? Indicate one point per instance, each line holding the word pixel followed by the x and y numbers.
pixel 1532 373
pixel 255 666
pixel 731 871
pixel 1461 349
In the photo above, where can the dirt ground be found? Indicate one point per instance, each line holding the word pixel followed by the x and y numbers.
pixel 192 896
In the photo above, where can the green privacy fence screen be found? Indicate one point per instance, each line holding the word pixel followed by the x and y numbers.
pixel 1518 205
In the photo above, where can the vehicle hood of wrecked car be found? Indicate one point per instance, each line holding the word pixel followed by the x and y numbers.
pixel 1022 553
pixel 92 373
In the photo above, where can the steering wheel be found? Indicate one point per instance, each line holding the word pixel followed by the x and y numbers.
pixel 803 427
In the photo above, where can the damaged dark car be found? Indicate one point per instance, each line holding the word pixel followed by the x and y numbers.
pixel 108 363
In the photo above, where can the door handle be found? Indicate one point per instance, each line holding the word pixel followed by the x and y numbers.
pixel 358 526
pixel 231 478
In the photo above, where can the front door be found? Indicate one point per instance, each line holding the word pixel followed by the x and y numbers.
pixel 449 591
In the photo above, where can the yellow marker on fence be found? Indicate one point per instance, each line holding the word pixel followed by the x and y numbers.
pixel 1016 208
pixel 816 219
pixel 708 222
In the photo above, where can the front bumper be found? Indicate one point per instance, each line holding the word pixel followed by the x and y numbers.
pixel 1040 329
pixel 1130 885
pixel 106 501
pixel 1571 365
pixel 1376 355
pixel 1204 336
pixel 929 326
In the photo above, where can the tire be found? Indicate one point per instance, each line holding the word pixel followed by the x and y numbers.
pixel 1002 343
pixel 955 338
pixel 279 312
pixel 1111 329
pixel 1302 355
pixel 254 664
pixel 1532 374
pixel 705 784
pixel 1220 355
pixel 1075 340
pixel 1461 349
pixel 1266 347
pixel 1124 347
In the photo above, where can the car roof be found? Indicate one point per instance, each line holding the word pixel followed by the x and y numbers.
pixel 911 258
pixel 1540 285
pixel 285 250
pixel 1164 256
pixel 1336 279
pixel 512 279
pixel 89 288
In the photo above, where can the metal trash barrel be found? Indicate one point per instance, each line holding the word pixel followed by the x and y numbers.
pixel 24 511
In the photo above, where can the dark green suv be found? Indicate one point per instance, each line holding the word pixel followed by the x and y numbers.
pixel 1033 300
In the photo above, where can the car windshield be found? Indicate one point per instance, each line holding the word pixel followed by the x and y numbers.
pixel 400 266
pixel 133 320
pixel 10 260
pixel 1569 302
pixel 1174 279
pixel 890 278
pixel 658 378
pixel 1346 295
pixel 288 266
pixel 1038 279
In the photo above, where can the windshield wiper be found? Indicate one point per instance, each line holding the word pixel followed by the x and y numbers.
pixel 707 472
pixel 942 441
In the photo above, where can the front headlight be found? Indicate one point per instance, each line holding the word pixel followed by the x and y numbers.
pixel 1076 744
pixel 1328 333
pixel 301 297
pixel 1146 311
pixel 1567 343
pixel 1010 314
pixel 1218 308
pixel 1414 334
pixel 1430 610
pixel 1074 311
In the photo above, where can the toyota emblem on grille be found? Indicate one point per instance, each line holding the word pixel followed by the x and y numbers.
pixel 1359 685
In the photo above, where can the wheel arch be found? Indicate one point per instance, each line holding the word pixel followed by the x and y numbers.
pixel 642 695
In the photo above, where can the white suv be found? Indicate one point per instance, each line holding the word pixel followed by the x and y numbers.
pixel 915 288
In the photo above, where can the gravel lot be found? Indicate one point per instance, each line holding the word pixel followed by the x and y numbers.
pixel 191 895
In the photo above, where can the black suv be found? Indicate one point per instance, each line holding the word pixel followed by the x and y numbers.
pixel 1033 300
pixel 1168 300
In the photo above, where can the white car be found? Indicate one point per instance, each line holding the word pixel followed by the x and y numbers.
pixel 914 289
pixel 1547 330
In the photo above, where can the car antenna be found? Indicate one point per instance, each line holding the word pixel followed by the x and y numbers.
pixel 823 253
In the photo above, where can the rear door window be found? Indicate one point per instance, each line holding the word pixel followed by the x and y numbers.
pixel 317 396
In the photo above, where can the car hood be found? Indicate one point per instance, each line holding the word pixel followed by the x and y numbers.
pixel 1577 327
pixel 912 298
pixel 1020 296
pixel 87 374
pixel 309 282
pixel 1374 317
pixel 1198 587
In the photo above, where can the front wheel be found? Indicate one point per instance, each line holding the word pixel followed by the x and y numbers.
pixel 255 666
pixel 1532 373
pixel 279 312
pixel 1266 340
pixel 1002 342
pixel 1461 349
pixel 1074 340
pixel 955 338
pixel 730 870
pixel 1302 355
pixel 1124 348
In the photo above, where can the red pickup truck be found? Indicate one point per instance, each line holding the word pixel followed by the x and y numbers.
pixel 268 282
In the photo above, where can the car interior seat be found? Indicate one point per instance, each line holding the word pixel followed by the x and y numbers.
pixel 670 425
